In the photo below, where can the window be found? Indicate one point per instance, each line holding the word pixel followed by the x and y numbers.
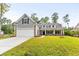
pixel 25 21
pixel 52 25
pixel 43 25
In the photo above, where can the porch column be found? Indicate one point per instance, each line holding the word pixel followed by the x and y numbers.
pixel 61 32
pixel 45 32
pixel 54 32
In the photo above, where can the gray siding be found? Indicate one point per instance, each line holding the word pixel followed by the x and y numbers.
pixel 20 25
pixel 30 25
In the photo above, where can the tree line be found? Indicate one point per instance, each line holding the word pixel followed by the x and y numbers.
pixel 54 18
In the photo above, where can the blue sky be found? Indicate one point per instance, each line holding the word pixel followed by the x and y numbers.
pixel 45 9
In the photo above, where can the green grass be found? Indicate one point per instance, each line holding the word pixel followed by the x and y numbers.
pixel 5 36
pixel 47 46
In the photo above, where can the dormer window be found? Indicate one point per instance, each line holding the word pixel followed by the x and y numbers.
pixel 25 21
pixel 43 25
pixel 52 25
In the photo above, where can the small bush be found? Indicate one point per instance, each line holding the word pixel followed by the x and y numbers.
pixel 7 29
pixel 67 32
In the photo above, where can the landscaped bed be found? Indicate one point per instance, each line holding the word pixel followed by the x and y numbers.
pixel 6 36
pixel 47 46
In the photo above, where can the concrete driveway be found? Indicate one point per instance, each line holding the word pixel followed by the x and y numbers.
pixel 9 43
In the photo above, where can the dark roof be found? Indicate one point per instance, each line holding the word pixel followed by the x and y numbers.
pixel 77 25
pixel 49 24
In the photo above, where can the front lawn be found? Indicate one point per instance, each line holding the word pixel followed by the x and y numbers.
pixel 47 46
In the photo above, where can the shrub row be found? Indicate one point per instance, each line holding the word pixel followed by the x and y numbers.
pixel 71 33
pixel 7 29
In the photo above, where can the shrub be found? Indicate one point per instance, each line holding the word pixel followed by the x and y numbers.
pixel 76 33
pixel 7 29
pixel 67 32
pixel 70 32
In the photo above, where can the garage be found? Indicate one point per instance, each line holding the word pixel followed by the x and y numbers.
pixel 24 26
pixel 25 32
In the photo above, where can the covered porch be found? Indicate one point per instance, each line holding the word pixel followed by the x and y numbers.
pixel 51 32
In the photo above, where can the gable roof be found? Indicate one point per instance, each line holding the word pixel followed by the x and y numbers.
pixel 77 25
pixel 24 15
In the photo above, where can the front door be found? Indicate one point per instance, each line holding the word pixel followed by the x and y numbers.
pixel 43 32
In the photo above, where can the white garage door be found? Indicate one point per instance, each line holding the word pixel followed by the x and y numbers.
pixel 24 32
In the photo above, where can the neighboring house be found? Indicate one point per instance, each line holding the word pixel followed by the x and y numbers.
pixel 25 26
pixel 76 28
